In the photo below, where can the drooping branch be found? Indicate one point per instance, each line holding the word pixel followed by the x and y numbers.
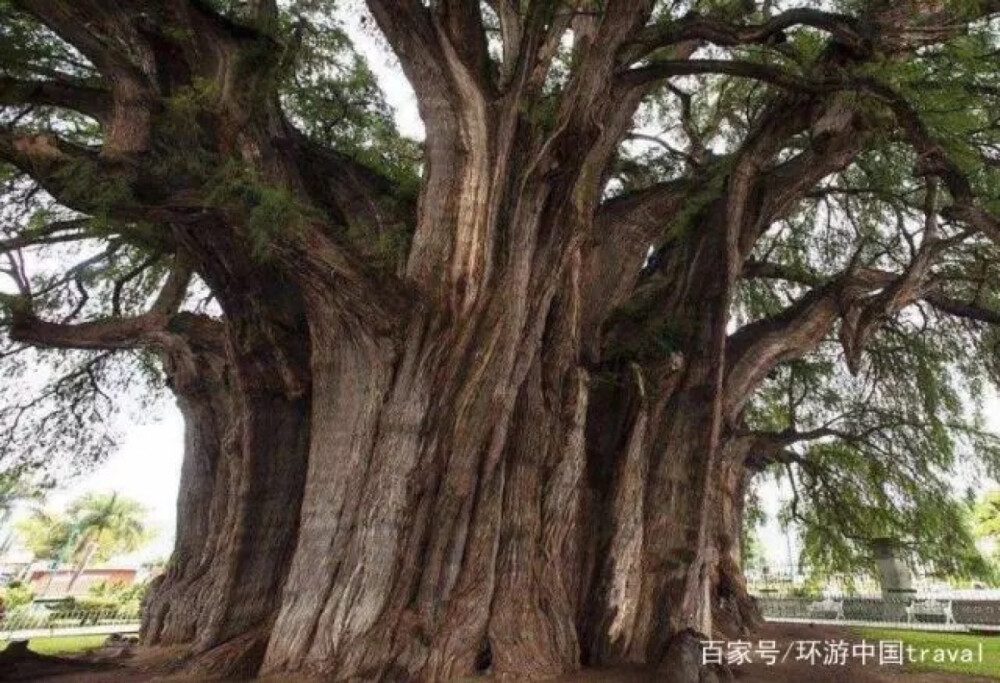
pixel 892 27
pixel 836 135
pixel 863 296
pixel 754 350
pixel 861 320
pixel 934 159
pixel 934 294
pixel 155 328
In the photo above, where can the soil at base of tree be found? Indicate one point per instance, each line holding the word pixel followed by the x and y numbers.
pixel 158 665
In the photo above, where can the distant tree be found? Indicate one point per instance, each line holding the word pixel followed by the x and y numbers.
pixel 106 525
pixel 17 485
pixel 94 527
pixel 986 519
pixel 45 533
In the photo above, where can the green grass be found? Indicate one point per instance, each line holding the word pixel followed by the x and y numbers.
pixel 64 644
pixel 931 641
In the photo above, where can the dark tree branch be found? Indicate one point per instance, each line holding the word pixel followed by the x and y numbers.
pixel 933 294
pixel 94 102
pixel 844 29
pixel 56 232
pixel 156 328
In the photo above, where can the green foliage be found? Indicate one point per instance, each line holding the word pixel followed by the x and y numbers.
pixel 14 595
pixel 119 591
pixel 332 95
pixel 93 527
pixel 45 534
pixel 266 209
pixel 113 523
pixel 900 431
pixel 910 425
pixel 985 514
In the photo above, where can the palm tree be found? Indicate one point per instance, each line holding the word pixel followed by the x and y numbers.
pixel 105 524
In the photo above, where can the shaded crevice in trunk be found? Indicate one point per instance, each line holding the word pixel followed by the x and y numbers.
pixel 176 601
pixel 246 410
pixel 648 514
pixel 735 612
pixel 652 565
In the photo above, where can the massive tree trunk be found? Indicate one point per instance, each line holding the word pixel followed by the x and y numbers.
pixel 519 450
pixel 478 493
pixel 448 522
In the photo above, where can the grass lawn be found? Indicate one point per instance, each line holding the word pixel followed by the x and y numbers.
pixel 931 641
pixel 65 644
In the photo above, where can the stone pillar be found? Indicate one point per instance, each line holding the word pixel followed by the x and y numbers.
pixel 895 577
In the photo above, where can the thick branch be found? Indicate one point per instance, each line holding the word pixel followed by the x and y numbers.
pixel 846 30
pixel 94 102
pixel 754 350
pixel 932 294
pixel 891 27
pixel 151 329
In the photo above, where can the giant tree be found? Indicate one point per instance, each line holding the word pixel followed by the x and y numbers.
pixel 497 407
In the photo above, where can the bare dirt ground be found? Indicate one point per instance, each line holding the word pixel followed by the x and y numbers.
pixel 158 665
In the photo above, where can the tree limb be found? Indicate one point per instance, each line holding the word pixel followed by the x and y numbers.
pixel 92 101
pixel 844 29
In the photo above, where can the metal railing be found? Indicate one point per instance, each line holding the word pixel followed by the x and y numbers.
pixel 34 621
pixel 796 594
pixel 914 610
